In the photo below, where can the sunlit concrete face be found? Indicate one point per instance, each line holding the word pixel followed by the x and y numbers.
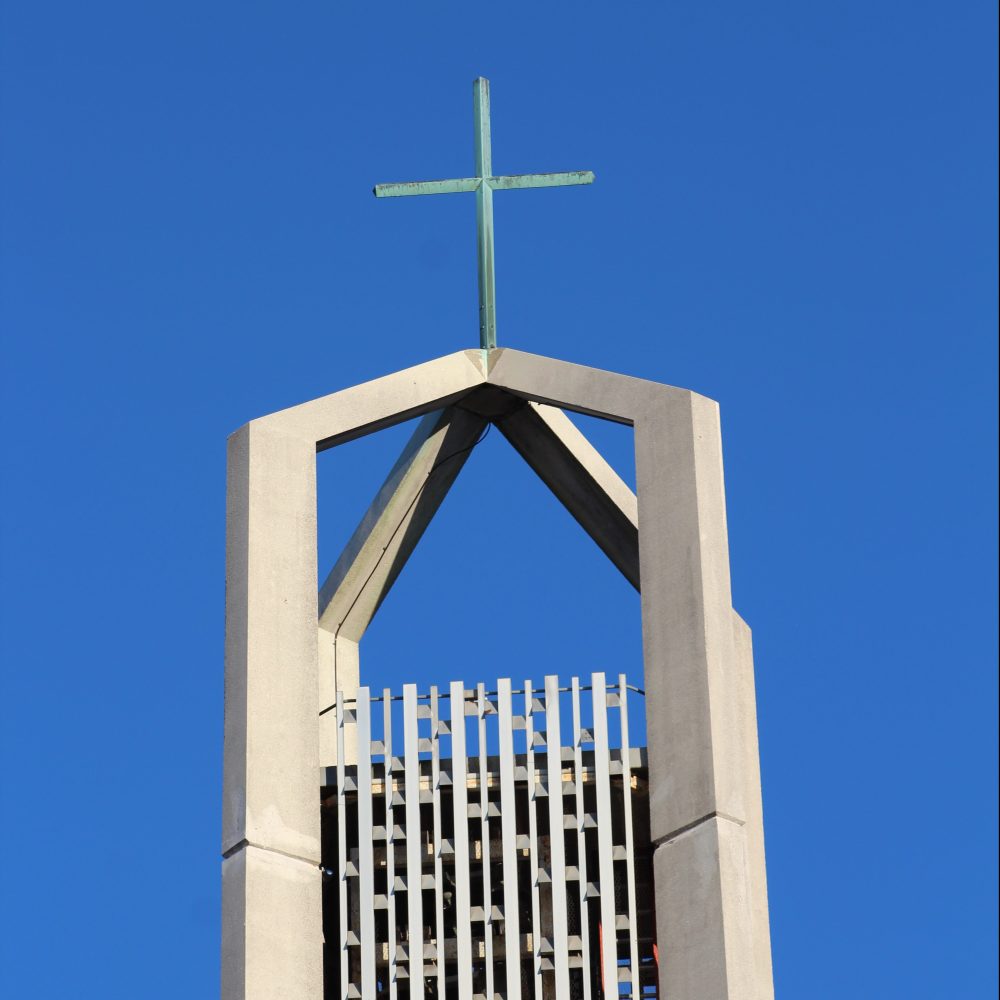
pixel 704 793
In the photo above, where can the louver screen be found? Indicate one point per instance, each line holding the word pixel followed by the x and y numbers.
pixel 506 854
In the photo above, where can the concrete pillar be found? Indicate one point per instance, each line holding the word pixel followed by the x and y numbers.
pixel 701 724
pixel 272 934
pixel 760 928
pixel 702 914
pixel 339 670
pixel 268 950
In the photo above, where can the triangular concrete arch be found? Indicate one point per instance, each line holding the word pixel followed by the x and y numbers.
pixel 429 465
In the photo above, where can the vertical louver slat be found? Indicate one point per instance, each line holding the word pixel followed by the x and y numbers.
pixel 536 909
pixel 581 838
pixel 366 866
pixel 557 839
pixel 460 804
pixel 484 805
pixel 605 855
pixel 633 923
pixel 438 859
pixel 508 834
pixel 342 846
pixel 414 847
pixel 390 847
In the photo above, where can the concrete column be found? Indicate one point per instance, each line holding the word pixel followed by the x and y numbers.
pixel 327 683
pixel 272 937
pixel 698 722
pixel 268 949
pixel 339 670
pixel 703 923
pixel 760 928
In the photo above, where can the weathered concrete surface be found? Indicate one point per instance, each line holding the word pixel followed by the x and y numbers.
pixel 691 672
pixel 339 670
pixel 573 387
pixel 271 751
pixel 396 520
pixel 268 951
pixel 703 914
pixel 383 402
pixel 579 476
pixel 760 929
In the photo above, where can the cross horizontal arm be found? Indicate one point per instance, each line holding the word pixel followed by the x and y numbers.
pixel 510 182
pixel 426 187
pixel 514 181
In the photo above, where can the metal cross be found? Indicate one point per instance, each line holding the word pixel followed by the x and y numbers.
pixel 484 184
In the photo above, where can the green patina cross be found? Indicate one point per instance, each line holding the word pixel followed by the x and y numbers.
pixel 484 184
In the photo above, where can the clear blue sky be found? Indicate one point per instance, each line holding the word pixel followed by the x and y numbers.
pixel 794 214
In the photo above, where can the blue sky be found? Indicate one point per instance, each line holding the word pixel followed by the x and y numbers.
pixel 794 214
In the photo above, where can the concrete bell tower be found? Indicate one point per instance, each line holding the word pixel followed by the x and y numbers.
pixel 482 838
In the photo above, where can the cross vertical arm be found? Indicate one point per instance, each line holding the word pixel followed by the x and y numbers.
pixel 484 216
pixel 481 116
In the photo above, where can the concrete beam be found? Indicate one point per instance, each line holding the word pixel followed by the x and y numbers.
pixel 383 402
pixel 396 520
pixel 578 475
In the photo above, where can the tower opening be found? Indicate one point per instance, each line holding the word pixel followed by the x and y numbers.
pixel 484 837
pixel 499 831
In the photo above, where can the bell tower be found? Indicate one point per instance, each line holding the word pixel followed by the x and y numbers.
pixel 471 837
